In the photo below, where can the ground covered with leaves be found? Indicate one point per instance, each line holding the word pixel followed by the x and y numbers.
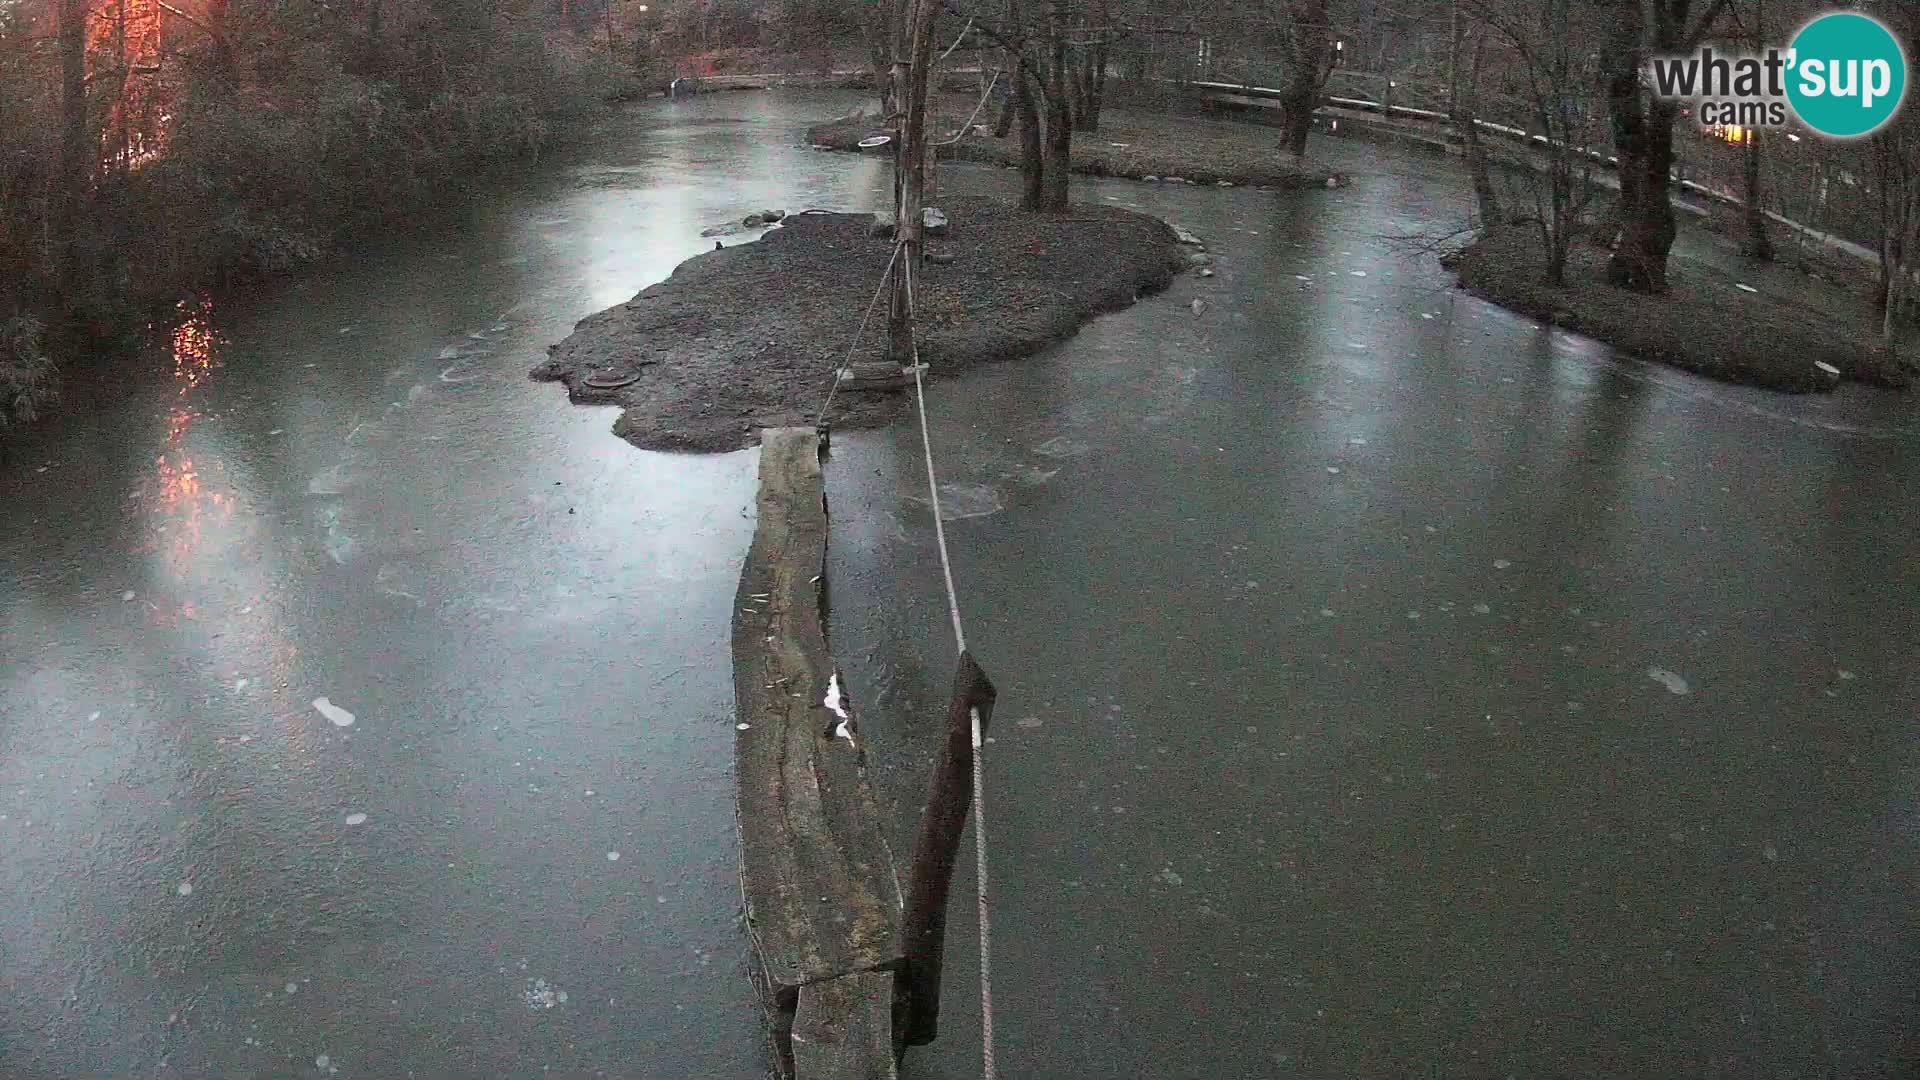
pixel 1705 323
pixel 750 336
pixel 1133 145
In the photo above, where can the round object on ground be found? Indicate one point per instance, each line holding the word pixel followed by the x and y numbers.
pixel 609 380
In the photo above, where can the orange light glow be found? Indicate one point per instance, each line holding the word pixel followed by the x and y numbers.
pixel 1731 133
pixel 195 344
pixel 181 496
pixel 126 43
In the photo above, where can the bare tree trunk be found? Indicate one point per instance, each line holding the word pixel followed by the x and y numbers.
pixel 883 48
pixel 1087 116
pixel 1453 58
pixel 911 172
pixel 223 44
pixel 1908 239
pixel 1643 131
pixel 1759 244
pixel 76 160
pixel 1643 141
pixel 1089 77
pixel 1059 170
pixel 122 134
pixel 1033 170
pixel 1891 300
pixel 1009 108
pixel 1308 54
pixel 1466 108
pixel 1080 85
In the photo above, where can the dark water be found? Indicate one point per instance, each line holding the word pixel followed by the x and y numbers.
pixel 1392 687
pixel 1297 771
pixel 348 489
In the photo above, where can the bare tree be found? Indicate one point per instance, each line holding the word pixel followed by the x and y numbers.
pixel 1466 120
pixel 1537 49
pixel 1756 243
pixel 76 152
pixel 1090 75
pixel 911 71
pixel 1044 50
pixel 1309 60
pixel 1896 150
pixel 1643 128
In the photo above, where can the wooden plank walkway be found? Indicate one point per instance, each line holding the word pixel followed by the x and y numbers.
pixel 822 899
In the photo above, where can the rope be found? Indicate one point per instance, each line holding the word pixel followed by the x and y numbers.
pixel 956 42
pixel 833 389
pixel 933 484
pixel 968 126
pixel 986 926
pixel 988 1069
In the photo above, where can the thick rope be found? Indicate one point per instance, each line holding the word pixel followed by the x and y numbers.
pixel 933 484
pixel 986 926
pixel 964 31
pixel 968 126
pixel 988 1069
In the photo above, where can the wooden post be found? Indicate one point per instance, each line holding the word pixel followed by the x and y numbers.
pixel 924 931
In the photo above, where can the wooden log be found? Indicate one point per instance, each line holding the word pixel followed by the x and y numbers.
pixel 822 901
pixel 945 818
pixel 844 1028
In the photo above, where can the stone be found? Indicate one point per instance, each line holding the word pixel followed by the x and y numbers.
pixel 941 258
pixel 771 216
pixel 1176 179
pixel 752 221
pixel 933 221
pixel 1150 179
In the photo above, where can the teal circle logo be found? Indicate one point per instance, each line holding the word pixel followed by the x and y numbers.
pixel 1847 75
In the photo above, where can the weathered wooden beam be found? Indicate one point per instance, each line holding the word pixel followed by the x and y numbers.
pixel 844 1028
pixel 822 901
pixel 945 818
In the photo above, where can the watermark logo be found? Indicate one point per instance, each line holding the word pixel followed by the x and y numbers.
pixel 1844 75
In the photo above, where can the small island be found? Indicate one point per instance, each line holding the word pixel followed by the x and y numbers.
pixel 751 336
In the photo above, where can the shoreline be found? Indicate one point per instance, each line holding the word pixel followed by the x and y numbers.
pixel 1706 324
pixel 1130 145
pixel 749 336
